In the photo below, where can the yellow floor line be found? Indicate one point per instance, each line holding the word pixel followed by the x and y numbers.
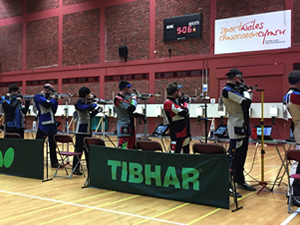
pixel 216 210
pixel 170 210
pixel 73 214
pixel 55 206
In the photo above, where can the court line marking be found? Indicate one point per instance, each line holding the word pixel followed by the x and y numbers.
pixel 157 215
pixel 76 213
pixel 55 206
pixel 259 159
pixel 216 210
pixel 268 171
pixel 287 220
pixel 89 207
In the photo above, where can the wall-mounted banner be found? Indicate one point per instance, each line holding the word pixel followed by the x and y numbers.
pixel 201 179
pixel 24 158
pixel 253 33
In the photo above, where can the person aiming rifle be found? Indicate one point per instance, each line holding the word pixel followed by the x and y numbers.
pixel 46 104
pixel 176 109
pixel 14 111
pixel 237 101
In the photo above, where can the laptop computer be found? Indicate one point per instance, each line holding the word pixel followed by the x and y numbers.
pixel 267 132
pixel 291 138
pixel 161 130
pixel 221 131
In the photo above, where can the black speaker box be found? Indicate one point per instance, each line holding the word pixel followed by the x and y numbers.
pixel 123 51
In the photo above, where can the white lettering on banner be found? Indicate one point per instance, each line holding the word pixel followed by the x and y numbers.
pixel 253 33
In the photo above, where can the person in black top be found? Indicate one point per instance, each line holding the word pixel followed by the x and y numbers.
pixel 14 111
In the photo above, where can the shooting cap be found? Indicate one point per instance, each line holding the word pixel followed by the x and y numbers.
pixel 294 77
pixel 49 86
pixel 234 73
pixel 124 84
pixel 172 87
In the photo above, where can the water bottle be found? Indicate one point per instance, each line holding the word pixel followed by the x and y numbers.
pixel 34 125
pixel 173 147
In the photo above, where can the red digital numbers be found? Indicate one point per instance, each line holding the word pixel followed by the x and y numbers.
pixel 184 30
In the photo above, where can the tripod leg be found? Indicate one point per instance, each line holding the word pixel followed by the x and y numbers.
pixel 110 140
pixel 47 149
pixel 234 192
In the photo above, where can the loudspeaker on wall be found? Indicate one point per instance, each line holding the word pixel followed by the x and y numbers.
pixel 123 51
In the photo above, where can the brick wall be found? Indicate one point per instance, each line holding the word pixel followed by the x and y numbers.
pixel 40 5
pixel 11 8
pixel 11 47
pixel 296 22
pixel 34 89
pixel 236 8
pixel 172 8
pixel 127 24
pixel 81 42
pixel 71 2
pixel 42 43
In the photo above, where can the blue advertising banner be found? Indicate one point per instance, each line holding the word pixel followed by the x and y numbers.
pixel 201 179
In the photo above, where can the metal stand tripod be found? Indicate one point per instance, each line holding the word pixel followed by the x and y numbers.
pixel 145 118
pixel 47 169
pixel 262 182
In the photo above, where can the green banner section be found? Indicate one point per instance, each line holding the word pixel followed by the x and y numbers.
pixel 201 179
pixel 24 158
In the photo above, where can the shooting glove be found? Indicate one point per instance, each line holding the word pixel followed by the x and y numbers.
pixel 184 99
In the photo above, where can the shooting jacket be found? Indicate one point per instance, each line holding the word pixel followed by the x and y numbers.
pixel 85 112
pixel 292 101
pixel 124 110
pixel 237 104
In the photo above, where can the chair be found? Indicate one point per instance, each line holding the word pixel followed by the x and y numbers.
pixel 12 135
pixel 66 139
pixel 87 142
pixel 203 148
pixel 148 145
pixel 292 155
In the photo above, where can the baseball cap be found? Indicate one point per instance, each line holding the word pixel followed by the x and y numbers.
pixel 235 72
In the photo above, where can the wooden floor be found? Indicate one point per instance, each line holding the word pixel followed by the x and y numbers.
pixel 63 201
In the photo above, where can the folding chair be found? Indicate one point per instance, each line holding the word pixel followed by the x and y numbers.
pixel 12 135
pixel 87 142
pixel 148 145
pixel 66 139
pixel 203 148
pixel 291 155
